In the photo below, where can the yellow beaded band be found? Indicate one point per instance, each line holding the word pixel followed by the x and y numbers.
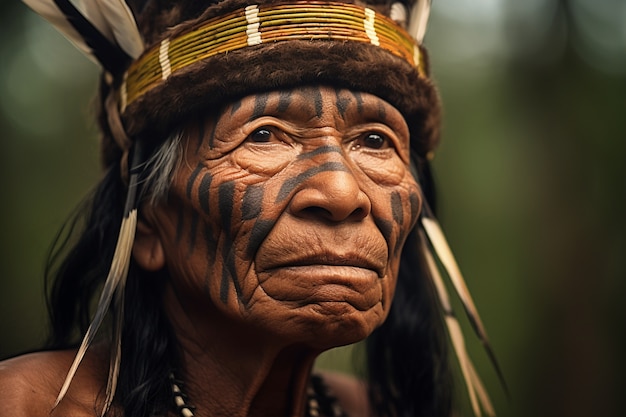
pixel 256 25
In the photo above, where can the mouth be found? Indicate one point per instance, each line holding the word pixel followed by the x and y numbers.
pixel 331 261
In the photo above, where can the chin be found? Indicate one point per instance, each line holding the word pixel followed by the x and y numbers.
pixel 327 325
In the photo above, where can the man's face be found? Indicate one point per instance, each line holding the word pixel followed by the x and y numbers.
pixel 289 212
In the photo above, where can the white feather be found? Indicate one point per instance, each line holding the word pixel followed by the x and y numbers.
pixel 397 13
pixel 419 19
pixel 477 394
pixel 122 25
pixel 49 11
pixel 112 18
pixel 91 10
pixel 115 278
pixel 444 253
pixel 481 392
pixel 116 349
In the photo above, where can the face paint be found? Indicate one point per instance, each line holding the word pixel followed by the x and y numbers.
pixel 292 213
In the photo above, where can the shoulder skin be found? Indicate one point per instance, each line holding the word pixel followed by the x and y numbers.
pixel 29 384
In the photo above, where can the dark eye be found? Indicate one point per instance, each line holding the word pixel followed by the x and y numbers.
pixel 374 141
pixel 261 135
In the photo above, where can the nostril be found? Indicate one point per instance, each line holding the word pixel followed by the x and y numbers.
pixel 358 213
pixel 315 211
pixel 321 212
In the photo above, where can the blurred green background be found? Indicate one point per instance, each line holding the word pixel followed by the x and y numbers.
pixel 530 172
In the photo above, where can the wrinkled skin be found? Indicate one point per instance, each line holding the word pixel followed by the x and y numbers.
pixel 285 222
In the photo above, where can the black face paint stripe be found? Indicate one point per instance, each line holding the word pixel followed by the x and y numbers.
pixel 209 237
pixel 398 245
pixel 290 184
pixel 385 227
pixel 415 206
pixel 359 101
pixel 252 200
pixel 284 100
pixel 319 104
pixel 320 151
pixel 260 102
pixel 230 270
pixel 203 192
pixel 259 232
pixel 382 111
pixel 397 211
pixel 192 179
pixel 226 195
pixel 224 284
pixel 312 95
pixel 342 103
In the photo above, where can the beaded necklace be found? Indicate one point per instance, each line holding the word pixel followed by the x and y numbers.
pixel 320 403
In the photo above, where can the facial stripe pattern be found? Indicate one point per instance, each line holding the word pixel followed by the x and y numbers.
pixel 342 103
pixel 260 102
pixel 319 151
pixel 229 270
pixel 203 193
pixel 235 210
pixel 291 184
pixel 250 209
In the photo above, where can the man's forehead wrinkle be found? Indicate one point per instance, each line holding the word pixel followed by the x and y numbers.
pixel 307 105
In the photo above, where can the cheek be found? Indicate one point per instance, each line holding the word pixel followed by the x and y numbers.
pixel 396 210
pixel 224 215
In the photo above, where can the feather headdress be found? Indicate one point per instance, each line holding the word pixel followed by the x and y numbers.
pixel 186 45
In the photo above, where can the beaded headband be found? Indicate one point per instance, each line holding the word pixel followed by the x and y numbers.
pixel 254 25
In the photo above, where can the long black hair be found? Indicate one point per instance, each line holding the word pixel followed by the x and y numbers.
pixel 406 358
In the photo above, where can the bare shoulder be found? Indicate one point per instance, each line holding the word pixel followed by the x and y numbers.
pixel 29 384
pixel 350 391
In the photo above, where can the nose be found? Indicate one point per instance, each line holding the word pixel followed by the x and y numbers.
pixel 332 193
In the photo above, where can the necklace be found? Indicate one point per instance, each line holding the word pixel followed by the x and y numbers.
pixel 320 403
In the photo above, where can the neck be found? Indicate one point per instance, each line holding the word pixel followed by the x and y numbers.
pixel 232 370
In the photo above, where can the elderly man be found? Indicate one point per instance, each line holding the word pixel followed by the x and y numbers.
pixel 266 168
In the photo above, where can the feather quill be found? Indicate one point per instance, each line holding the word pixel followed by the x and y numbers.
pixel 115 278
pixel 418 21
pixel 477 394
pixel 116 345
pixel 114 285
pixel 444 253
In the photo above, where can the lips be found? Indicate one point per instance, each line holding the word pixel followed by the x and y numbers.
pixel 329 259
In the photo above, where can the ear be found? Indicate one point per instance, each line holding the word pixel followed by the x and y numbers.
pixel 147 248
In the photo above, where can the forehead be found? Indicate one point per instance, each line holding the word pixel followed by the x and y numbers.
pixel 320 103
